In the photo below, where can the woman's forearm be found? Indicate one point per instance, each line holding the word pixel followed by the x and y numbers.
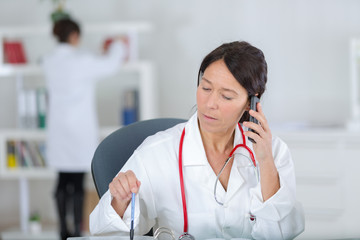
pixel 269 178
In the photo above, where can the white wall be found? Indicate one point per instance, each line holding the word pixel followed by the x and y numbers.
pixel 305 42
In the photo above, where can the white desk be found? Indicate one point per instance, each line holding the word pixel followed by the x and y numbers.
pixel 110 238
pixel 148 238
pixel 125 238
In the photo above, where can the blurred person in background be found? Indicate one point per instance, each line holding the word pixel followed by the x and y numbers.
pixel 72 127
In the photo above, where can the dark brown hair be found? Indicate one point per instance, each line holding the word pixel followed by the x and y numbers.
pixel 246 63
pixel 63 28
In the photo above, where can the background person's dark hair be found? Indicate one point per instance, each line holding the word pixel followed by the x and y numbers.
pixel 246 63
pixel 63 28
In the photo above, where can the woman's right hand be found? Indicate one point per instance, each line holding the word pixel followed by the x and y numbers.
pixel 121 188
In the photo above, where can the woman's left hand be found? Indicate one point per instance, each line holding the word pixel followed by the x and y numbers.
pixel 269 177
pixel 263 137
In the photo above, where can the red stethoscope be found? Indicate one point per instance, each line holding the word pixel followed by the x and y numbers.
pixel 186 235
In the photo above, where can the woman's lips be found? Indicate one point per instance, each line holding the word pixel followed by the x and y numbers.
pixel 208 117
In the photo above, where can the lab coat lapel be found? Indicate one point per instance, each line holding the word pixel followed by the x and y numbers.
pixel 236 180
pixel 195 162
pixel 193 150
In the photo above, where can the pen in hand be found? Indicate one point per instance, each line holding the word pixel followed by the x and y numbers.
pixel 132 216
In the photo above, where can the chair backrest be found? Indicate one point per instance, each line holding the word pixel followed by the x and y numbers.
pixel 113 152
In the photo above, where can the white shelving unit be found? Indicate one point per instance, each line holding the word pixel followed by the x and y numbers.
pixel 145 86
pixel 24 174
pixel 354 123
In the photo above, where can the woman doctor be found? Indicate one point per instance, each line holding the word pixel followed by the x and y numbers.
pixel 72 134
pixel 244 207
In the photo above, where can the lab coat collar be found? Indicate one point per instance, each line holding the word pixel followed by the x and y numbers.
pixel 193 149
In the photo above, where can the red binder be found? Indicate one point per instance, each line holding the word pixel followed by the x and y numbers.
pixel 14 52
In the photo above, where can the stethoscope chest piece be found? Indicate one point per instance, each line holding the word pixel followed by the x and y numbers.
pixel 161 230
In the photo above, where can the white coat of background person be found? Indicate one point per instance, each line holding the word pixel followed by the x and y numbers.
pixel 252 209
pixel 72 127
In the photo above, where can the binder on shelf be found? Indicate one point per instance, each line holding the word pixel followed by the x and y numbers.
pixel 31 108
pixel 11 155
pixel 14 52
pixel 36 157
pixel 21 109
pixel 130 107
pixel 41 148
pixel 26 160
pixel 18 154
pixel 29 114
pixel 41 105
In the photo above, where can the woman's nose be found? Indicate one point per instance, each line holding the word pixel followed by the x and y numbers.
pixel 212 101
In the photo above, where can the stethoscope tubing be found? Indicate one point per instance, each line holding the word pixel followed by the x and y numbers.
pixel 182 182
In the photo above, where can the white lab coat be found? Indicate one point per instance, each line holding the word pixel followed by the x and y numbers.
pixel 159 204
pixel 72 127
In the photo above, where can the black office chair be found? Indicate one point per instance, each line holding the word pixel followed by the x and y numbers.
pixel 113 152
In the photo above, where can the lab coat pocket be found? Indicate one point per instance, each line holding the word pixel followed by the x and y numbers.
pixel 202 225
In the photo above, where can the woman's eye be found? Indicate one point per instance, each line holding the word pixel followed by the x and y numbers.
pixel 206 89
pixel 226 98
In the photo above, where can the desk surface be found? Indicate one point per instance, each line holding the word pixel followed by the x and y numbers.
pixel 110 238
pixel 119 238
pixel 148 238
